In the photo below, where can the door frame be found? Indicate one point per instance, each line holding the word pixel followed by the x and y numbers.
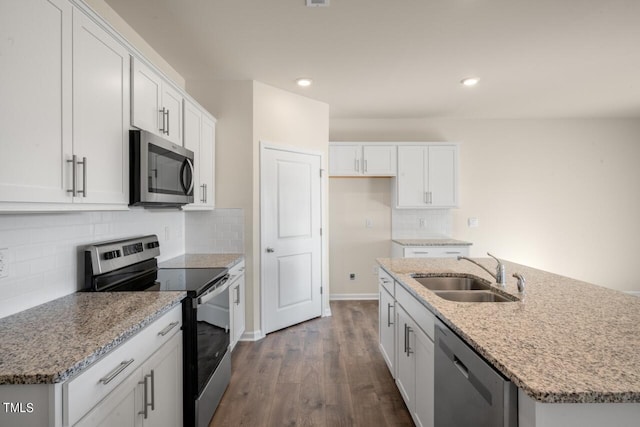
pixel 325 310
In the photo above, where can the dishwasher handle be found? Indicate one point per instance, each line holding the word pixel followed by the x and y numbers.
pixel 461 367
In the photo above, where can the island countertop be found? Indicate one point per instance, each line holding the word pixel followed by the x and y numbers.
pixel 566 341
pixel 202 261
pixel 51 342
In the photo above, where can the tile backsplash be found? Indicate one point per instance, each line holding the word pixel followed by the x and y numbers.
pixel 420 223
pixel 218 231
pixel 44 250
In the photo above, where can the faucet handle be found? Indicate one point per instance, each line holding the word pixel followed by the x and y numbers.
pixel 500 271
pixel 521 282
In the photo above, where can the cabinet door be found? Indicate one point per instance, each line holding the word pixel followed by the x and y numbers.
pixel 35 83
pixel 120 408
pixel 208 160
pixel 424 397
pixel 345 160
pixel 192 141
pixel 386 328
pixel 163 374
pixel 379 160
pixel 146 87
pixel 172 104
pixel 100 113
pixel 405 362
pixel 238 308
pixel 442 176
pixel 411 182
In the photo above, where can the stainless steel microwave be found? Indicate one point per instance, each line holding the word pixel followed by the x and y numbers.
pixel 162 173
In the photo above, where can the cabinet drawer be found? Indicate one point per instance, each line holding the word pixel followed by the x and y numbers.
pixel 420 314
pixel 435 251
pixel 84 391
pixel 386 281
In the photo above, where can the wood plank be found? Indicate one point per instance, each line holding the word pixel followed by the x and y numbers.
pixel 285 406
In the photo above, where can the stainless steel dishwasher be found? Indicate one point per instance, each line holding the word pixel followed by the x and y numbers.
pixel 468 391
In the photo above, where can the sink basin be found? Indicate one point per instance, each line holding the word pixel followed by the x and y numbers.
pixel 474 296
pixel 440 283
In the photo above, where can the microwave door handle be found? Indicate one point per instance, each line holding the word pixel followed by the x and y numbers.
pixel 187 162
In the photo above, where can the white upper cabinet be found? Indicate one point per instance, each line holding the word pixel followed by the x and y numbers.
pixel 100 114
pixel 35 82
pixel 156 105
pixel 199 137
pixel 362 159
pixel 427 176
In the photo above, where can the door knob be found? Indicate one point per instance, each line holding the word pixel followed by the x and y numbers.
pixel 270 250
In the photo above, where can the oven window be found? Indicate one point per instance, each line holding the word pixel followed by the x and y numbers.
pixel 168 172
pixel 212 335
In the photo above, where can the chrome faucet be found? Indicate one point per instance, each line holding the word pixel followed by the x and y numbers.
pixel 500 274
pixel 521 282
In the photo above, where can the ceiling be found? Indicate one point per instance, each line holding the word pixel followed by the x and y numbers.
pixel 405 58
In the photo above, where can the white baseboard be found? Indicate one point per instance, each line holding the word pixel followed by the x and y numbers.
pixel 342 297
pixel 634 293
pixel 252 335
pixel 327 312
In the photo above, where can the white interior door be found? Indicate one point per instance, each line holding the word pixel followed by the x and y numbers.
pixel 291 240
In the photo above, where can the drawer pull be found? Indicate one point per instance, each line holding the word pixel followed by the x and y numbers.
pixel 166 330
pixel 111 375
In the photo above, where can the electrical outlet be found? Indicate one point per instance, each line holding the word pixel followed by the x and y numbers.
pixel 368 223
pixel 422 222
pixel 167 233
pixel 4 262
pixel 352 276
pixel 473 222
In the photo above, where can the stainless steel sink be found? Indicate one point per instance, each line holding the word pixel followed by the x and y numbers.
pixel 442 283
pixel 474 296
pixel 462 289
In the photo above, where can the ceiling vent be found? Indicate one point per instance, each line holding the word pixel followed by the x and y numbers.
pixel 317 3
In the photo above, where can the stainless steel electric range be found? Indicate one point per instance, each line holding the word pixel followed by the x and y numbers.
pixel 131 265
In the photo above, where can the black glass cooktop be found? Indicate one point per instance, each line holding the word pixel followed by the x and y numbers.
pixel 192 280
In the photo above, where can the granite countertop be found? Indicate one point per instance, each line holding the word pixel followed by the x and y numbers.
pixel 202 261
pixel 431 242
pixel 565 341
pixel 51 342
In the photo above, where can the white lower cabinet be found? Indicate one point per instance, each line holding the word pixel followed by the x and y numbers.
pixel 236 302
pixel 403 251
pixel 137 384
pixel 387 328
pixel 413 334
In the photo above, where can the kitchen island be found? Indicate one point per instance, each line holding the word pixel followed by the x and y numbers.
pixel 570 347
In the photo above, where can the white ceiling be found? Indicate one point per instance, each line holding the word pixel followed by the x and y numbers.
pixel 405 58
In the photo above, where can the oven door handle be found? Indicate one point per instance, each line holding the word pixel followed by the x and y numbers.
pixel 214 292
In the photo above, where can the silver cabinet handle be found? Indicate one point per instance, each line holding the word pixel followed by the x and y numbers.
pixel 153 391
pixel 73 190
pixel 202 198
pixel 409 330
pixel 365 165
pixel 426 197
pixel 164 115
pixel 430 197
pixel 168 121
pixel 237 301
pixel 270 250
pixel 206 193
pixel 405 338
pixel 452 252
pixel 355 165
pixel 166 330
pixel 114 373
pixel 389 322
pixel 84 176
pixel 421 252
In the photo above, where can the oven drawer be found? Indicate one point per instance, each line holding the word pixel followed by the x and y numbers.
pixel 85 390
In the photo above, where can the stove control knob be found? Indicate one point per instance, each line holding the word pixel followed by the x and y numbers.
pixel 112 254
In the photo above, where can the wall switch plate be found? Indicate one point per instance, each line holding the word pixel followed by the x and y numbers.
pixel 368 223
pixel 473 222
pixel 4 262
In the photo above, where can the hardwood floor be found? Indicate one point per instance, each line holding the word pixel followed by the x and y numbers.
pixel 324 372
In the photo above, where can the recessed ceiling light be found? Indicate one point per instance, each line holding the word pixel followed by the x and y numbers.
pixel 470 81
pixel 304 82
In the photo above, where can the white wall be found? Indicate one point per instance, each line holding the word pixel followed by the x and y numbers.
pixel 45 250
pixel 560 195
